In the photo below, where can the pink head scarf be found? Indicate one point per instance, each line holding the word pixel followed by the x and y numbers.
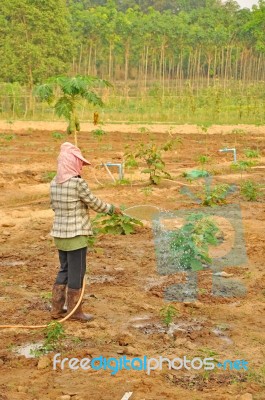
pixel 70 162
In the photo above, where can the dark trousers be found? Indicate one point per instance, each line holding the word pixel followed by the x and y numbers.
pixel 72 268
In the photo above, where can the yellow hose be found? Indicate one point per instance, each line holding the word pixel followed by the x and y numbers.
pixel 44 326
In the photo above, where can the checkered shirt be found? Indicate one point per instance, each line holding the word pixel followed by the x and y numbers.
pixel 71 202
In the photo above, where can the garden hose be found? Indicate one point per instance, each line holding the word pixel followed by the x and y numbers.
pixel 44 326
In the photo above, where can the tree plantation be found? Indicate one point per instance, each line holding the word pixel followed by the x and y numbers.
pixel 132 159
pixel 145 48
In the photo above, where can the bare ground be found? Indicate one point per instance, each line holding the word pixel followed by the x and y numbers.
pixel 125 292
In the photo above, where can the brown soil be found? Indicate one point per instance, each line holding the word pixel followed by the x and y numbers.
pixel 125 291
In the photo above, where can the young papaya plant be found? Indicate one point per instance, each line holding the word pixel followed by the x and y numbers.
pixel 190 244
pixel 73 90
pixel 152 154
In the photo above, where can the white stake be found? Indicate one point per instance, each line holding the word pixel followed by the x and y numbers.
pixel 127 396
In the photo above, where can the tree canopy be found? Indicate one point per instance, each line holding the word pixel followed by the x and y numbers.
pixel 35 40
pixel 122 40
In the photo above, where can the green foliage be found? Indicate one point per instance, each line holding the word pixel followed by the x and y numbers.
pixel 147 190
pixel 46 295
pixel 91 241
pixel 151 153
pixel 203 159
pixel 239 132
pixel 190 244
pixel 98 133
pixel 195 174
pixel 167 313
pixel 121 182
pixel 36 41
pixel 257 376
pixel 48 176
pixel 250 190
pixel 143 129
pixel 130 159
pixel 250 153
pixel 178 57
pixel 204 127
pixel 73 89
pixel 8 138
pixel 54 333
pixel 243 165
pixel 215 195
pixel 116 224
pixel 208 352
pixel 57 135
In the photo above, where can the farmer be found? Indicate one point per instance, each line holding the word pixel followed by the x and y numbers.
pixel 71 199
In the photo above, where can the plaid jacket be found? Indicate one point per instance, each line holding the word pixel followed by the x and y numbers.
pixel 71 201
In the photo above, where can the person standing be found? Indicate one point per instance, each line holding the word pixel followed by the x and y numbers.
pixel 71 199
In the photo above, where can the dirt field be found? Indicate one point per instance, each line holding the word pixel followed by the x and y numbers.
pixel 125 291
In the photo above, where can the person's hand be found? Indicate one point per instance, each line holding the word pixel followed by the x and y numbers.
pixel 117 211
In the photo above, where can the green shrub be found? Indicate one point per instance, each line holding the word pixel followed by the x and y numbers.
pixel 216 195
pixel 48 176
pixel 190 244
pixel 250 190
pixel 57 135
pixel 167 313
pixel 151 153
pixel 98 134
pixel 250 153
pixel 54 333
pixel 115 224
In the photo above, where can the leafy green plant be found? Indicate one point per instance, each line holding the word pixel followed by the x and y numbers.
pixel 46 295
pixel 216 195
pixel 250 190
pixel 74 89
pixel 54 333
pixel 167 313
pixel 8 138
pixel 115 224
pixel 208 352
pixel 190 244
pixel 143 129
pixel 129 159
pixel 250 153
pixel 48 176
pixel 151 153
pixel 91 241
pixel 123 181
pixel 237 132
pixel 98 134
pixel 204 128
pixel 57 135
pixel 203 159
pixel 147 191
pixel 203 291
pixel 195 174
pixel 243 165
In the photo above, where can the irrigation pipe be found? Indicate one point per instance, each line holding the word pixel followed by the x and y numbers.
pixel 44 326
pixel 74 309
pixel 133 184
pixel 108 171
